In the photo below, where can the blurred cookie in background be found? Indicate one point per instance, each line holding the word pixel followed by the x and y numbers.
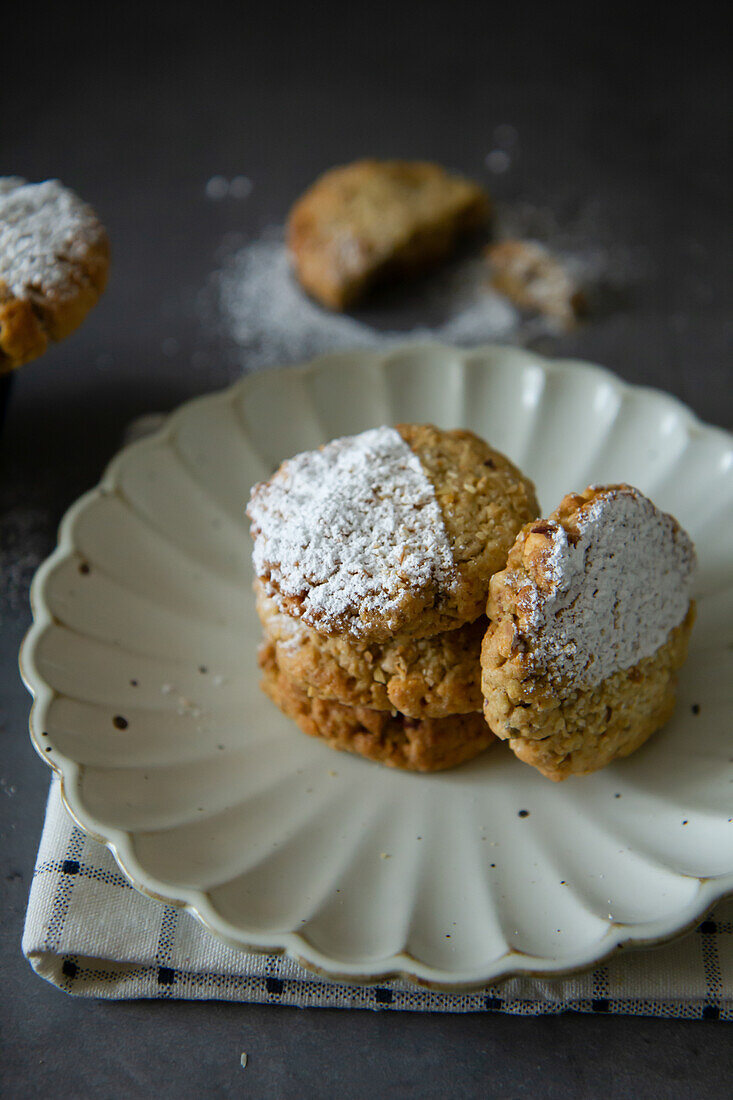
pixel 376 220
pixel 54 258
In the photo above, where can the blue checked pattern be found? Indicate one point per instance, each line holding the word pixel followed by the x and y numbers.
pixel 90 933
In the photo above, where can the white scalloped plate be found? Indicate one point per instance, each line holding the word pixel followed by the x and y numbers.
pixel 211 799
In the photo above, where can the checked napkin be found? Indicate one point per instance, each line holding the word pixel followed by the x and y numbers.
pixel 90 933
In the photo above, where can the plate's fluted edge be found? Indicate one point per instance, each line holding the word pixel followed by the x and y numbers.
pixel 294 945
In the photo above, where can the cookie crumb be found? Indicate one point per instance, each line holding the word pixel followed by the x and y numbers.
pixel 533 279
pixel 240 187
pixel 498 161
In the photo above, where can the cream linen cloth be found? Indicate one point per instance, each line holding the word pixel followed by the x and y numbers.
pixel 90 933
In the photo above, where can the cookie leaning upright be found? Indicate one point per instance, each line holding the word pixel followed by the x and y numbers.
pixel 395 530
pixel 375 219
pixel 589 624
pixel 54 256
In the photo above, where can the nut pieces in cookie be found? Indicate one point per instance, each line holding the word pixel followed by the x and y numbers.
pixel 419 677
pixel 411 744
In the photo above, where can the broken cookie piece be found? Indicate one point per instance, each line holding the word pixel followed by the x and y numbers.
pixel 531 277
pixel 373 220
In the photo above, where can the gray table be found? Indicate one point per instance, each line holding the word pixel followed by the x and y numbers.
pixel 137 112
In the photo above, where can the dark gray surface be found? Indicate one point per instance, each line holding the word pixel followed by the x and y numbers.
pixel 137 112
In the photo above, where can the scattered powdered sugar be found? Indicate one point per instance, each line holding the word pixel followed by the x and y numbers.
pixel 219 187
pixel 254 314
pixel 43 227
pixel 293 638
pixel 348 527
pixel 596 253
pixel 271 320
pixel 256 309
pixel 498 161
pixel 26 536
pixel 616 594
pixel 506 141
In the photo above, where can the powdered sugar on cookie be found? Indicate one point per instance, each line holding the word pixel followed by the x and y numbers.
pixel 603 602
pixel 347 529
pixel 43 228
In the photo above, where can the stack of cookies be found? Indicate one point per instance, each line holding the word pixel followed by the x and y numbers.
pixel 414 607
pixel 373 557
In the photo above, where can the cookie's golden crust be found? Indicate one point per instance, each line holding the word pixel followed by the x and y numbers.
pixel 585 728
pixel 427 745
pixel 560 729
pixel 484 501
pixel 371 220
pixel 22 336
pixel 419 677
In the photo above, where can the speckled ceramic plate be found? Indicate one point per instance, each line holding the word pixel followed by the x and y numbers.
pixel 142 663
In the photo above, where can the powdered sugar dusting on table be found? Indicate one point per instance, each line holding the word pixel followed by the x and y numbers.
pixel 43 228
pixel 613 597
pixel 269 319
pixel 254 309
pixel 348 528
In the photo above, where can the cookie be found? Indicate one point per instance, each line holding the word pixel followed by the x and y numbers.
pixel 531 277
pixel 589 624
pixel 395 530
pixel 377 219
pixel 419 677
pixel 420 745
pixel 54 257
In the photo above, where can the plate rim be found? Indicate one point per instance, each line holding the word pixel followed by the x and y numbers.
pixel 401 966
